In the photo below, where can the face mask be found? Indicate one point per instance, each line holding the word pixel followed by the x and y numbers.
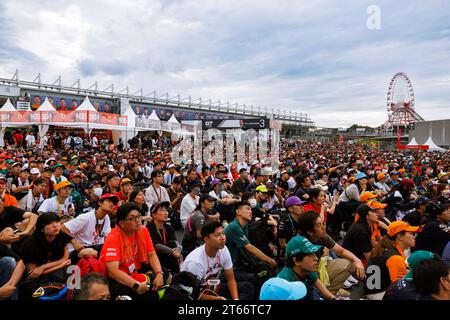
pixel 221 188
pixel 98 192
pixel 252 202
pixel 184 174
pixel 196 191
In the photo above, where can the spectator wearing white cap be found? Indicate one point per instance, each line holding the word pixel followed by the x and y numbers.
pixel 35 173
pixel 170 175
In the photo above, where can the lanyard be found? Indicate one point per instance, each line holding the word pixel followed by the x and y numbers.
pixel 158 195
pixel 163 237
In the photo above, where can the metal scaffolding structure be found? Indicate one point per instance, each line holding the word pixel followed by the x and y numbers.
pixel 286 117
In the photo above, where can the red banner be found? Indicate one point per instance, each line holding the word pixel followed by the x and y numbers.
pixel 36 117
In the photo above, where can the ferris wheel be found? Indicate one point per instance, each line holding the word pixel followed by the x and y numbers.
pixel 400 93
pixel 400 102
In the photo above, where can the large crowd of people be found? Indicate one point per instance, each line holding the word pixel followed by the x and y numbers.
pixel 142 226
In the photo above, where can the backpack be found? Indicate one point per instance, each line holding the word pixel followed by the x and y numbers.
pixel 90 264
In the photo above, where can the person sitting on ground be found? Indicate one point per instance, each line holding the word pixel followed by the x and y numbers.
pixel 358 238
pixel 389 257
pixel 288 224
pixel 94 286
pixel 34 197
pixel 432 277
pixel 126 187
pixel 129 253
pixel 237 240
pixel 435 234
pixel 138 197
pixel 12 268
pixel 15 224
pixel 416 217
pixel 301 265
pixel 156 192
pixel 211 263
pixel 61 203
pixel 190 201
pixel 89 230
pixel 192 232
pixel 8 199
pixel 404 288
pixel 164 240
pixel 311 226
pixel 45 254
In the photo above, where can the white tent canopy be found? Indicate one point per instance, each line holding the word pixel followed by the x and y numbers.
pixel 432 146
pixel 154 116
pixel 46 106
pixel 173 120
pixel 86 106
pixel 8 107
pixel 413 142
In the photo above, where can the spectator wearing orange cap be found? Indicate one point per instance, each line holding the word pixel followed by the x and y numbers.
pixel 62 203
pixel 389 256
pixel 381 184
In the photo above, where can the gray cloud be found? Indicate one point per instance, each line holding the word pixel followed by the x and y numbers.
pixel 316 57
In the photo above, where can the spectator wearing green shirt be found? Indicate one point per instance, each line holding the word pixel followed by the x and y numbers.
pixel 301 265
pixel 237 240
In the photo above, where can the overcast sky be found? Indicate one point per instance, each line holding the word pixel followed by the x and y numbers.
pixel 317 57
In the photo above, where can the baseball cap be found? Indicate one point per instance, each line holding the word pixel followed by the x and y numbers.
pixel 9 161
pixel 442 174
pixel 2 177
pixel 124 181
pixel 93 183
pixel 35 171
pixel 401 170
pixel 75 174
pixel 171 166
pixel 261 188
pixel 17 164
pixel 63 184
pixel 58 165
pixel 360 175
pixel 293 201
pixel 300 244
pixel 366 195
pixel 376 205
pixel 399 226
pixel 421 201
pixel 435 208
pixel 110 196
pixel 25 169
pixel 205 197
pixel 281 289
pixel 394 173
pixel 215 181
pixel 47 168
pixel 381 176
pixel 157 205
pixel 415 258
pixel 266 171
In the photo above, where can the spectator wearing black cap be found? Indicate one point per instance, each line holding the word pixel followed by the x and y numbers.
pixel 90 229
pixel 203 213
pixel 163 236
pixel 358 237
pixel 436 233
pixel 423 188
pixel 416 217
